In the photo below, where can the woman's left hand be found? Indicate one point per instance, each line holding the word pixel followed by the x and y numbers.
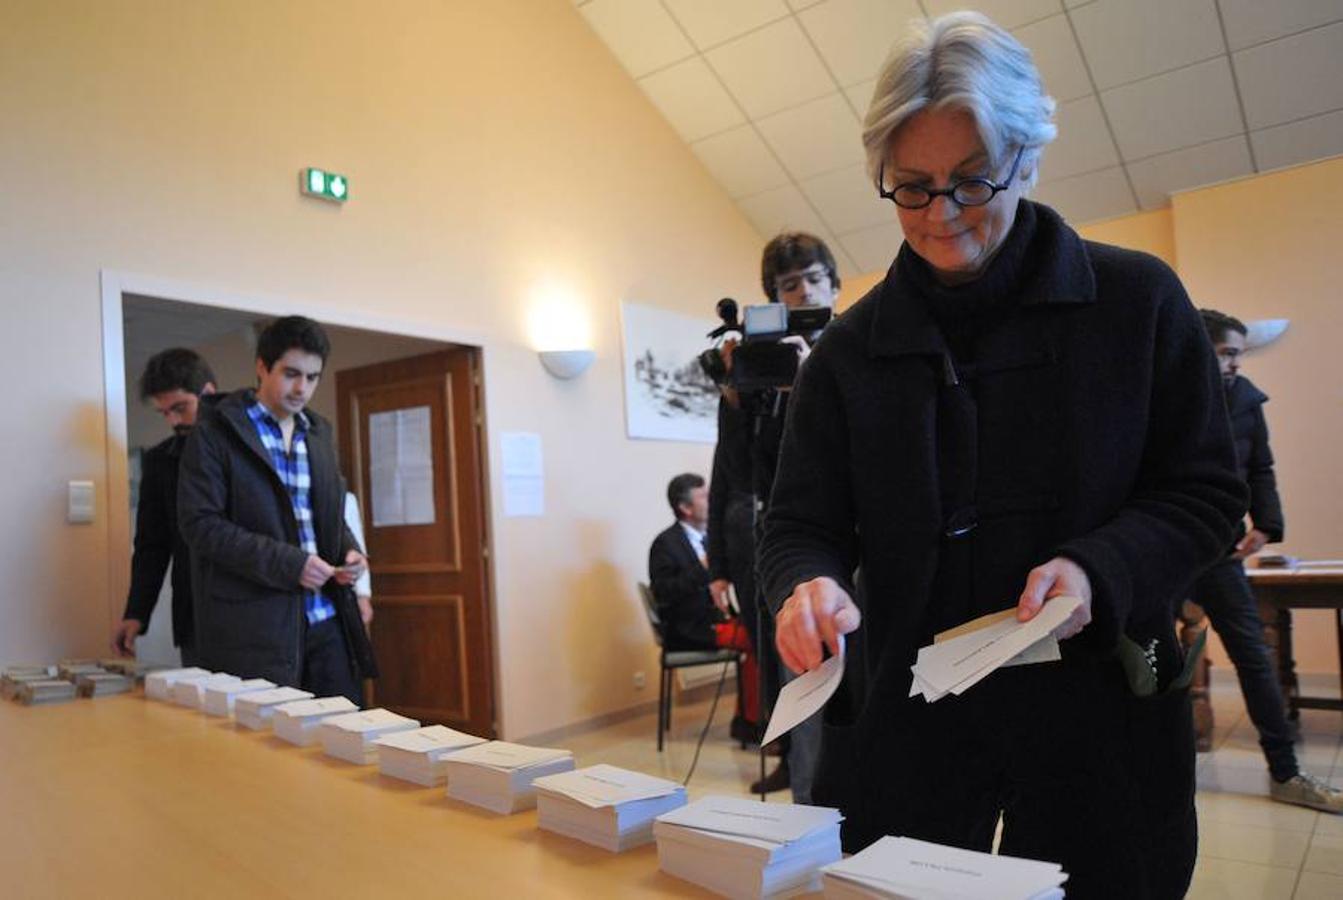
pixel 1057 578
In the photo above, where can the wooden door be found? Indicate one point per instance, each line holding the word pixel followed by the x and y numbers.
pixel 425 530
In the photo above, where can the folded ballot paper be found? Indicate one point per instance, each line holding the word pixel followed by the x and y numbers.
pixel 297 721
pixel 220 697
pixel 421 756
pixel 190 692
pixel 159 685
pixel 900 868
pixel 606 806
pixel 744 848
pixel 959 659
pixel 255 708
pixel 498 775
pixel 350 736
pixel 101 684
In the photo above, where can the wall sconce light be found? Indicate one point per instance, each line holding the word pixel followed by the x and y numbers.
pixel 1264 331
pixel 566 364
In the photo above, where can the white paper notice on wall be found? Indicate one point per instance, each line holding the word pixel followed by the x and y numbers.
pixel 524 474
pixel 401 466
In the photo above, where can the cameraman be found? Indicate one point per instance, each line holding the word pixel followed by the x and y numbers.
pixel 796 270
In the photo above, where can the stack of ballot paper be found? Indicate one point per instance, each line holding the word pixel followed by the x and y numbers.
pixel 498 775
pixel 190 692
pixel 420 756
pixel 350 736
pixel 606 806
pixel 15 676
pixel 71 669
pixel 219 698
pixel 744 848
pixel 100 684
pixel 959 659
pixel 51 690
pixel 297 722
pixel 159 685
pixel 898 867
pixel 254 708
pixel 133 669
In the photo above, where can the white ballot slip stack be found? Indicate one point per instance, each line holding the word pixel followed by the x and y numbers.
pixel 350 736
pixel 297 721
pixel 420 756
pixel 743 848
pixel 253 710
pixel 606 806
pixel 900 868
pixel 958 660
pixel 219 698
pixel 159 685
pixel 498 775
pixel 190 692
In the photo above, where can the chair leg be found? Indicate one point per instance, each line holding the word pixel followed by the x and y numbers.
pixel 741 697
pixel 670 685
pixel 662 708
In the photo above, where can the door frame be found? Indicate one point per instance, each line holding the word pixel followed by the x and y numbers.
pixel 115 283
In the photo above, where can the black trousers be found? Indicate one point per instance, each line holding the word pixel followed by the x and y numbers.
pixel 326 663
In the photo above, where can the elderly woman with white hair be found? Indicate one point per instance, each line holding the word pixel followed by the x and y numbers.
pixel 1013 415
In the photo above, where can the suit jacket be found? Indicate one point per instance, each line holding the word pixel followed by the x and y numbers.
pixel 158 542
pixel 237 517
pixel 681 591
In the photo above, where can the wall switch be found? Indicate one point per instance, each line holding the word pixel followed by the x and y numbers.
pixel 79 503
pixel 638 681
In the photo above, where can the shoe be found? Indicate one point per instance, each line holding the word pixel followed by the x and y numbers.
pixel 778 780
pixel 743 731
pixel 1307 790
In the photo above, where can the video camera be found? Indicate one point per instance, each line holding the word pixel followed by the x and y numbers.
pixel 761 361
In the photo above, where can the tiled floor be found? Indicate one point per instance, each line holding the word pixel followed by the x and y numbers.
pixel 1249 847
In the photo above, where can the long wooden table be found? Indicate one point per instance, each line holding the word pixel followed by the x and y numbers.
pixel 1279 591
pixel 126 797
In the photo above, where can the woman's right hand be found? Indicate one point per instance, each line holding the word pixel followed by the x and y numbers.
pixel 817 611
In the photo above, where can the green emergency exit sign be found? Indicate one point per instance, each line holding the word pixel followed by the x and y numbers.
pixel 324 184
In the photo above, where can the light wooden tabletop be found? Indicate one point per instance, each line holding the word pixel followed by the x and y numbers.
pixel 126 797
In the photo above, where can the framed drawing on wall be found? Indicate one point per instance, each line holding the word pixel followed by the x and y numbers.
pixel 667 395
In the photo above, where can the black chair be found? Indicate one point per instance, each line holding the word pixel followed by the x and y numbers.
pixel 677 659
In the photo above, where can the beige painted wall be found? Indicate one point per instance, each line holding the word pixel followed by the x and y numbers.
pixel 490 146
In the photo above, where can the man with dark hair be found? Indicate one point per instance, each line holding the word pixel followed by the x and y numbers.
pixel 1224 592
pixel 679 576
pixel 173 381
pixel 261 504
pixel 796 269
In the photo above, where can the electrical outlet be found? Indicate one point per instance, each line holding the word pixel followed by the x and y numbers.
pixel 638 681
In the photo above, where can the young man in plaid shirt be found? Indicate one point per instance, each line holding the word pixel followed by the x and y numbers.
pixel 260 503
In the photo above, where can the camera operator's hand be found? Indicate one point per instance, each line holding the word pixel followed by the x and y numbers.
pixel 817 610
pixel 718 591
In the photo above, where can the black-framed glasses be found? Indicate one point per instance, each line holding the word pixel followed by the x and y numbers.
pixel 966 192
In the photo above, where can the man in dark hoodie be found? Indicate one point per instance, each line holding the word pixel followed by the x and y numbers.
pixel 1224 592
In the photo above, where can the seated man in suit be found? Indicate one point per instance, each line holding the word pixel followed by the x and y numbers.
pixel 679 574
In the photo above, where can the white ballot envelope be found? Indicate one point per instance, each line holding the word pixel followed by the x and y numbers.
pixel 804 695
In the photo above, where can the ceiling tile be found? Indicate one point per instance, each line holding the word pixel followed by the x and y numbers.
pixel 1125 40
pixel 782 209
pixel 692 99
pixel 820 136
pixel 854 36
pixel 874 249
pixel 1057 57
pixel 1298 142
pixel 772 69
pixel 740 161
pixel 847 200
pixel 639 32
pixel 860 96
pixel 1007 13
pixel 1190 106
pixel 1157 177
pixel 1255 21
pixel 1292 78
pixel 1089 198
pixel 711 22
pixel 1083 144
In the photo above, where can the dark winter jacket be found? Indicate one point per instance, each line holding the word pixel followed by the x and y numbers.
pixel 1085 420
pixel 237 517
pixel 1245 404
pixel 158 542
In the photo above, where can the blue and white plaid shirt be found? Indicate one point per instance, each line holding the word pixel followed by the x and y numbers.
pixel 296 476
